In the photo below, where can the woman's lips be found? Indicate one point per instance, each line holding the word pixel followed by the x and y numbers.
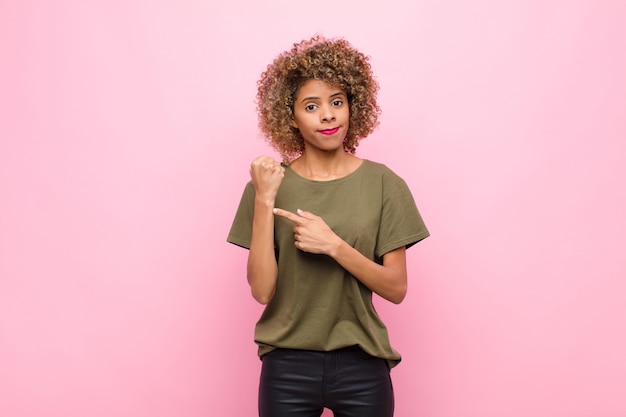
pixel 329 132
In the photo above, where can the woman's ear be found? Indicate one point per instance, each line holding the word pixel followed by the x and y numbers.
pixel 292 119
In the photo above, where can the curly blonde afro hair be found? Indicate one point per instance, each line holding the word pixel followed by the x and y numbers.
pixel 335 62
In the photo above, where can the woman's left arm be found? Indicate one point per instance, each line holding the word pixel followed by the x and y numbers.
pixel 388 280
pixel 313 235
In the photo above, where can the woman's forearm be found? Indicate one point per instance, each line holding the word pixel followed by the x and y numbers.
pixel 388 280
pixel 262 267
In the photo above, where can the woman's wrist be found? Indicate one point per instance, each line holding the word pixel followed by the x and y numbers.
pixel 265 201
pixel 335 247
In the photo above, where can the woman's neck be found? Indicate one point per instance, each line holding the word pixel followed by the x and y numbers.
pixel 324 167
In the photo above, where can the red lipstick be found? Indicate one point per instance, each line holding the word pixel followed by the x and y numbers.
pixel 329 132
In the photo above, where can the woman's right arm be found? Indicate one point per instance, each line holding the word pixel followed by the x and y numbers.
pixel 266 174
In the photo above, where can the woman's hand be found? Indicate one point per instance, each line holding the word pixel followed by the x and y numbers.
pixel 311 233
pixel 266 174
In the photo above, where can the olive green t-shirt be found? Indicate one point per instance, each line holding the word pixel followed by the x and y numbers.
pixel 318 305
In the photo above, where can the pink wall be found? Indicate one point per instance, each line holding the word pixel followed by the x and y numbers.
pixel 126 130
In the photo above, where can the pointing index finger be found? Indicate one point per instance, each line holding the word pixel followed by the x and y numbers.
pixel 287 215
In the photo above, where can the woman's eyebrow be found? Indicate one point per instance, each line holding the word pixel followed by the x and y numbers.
pixel 309 98
pixel 338 93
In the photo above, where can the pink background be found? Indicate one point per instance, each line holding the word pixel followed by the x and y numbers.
pixel 126 131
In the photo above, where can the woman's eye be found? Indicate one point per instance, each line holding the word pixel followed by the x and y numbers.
pixel 337 103
pixel 310 107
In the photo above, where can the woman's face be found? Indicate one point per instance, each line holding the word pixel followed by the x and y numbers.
pixel 322 115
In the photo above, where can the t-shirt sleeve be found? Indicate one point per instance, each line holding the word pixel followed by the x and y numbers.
pixel 401 223
pixel 241 230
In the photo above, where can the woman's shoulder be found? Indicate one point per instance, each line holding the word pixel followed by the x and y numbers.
pixel 378 168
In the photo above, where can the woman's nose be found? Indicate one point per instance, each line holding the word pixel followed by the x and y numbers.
pixel 328 115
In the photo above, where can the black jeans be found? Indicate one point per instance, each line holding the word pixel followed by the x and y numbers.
pixel 300 383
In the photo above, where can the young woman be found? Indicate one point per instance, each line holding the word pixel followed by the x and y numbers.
pixel 324 230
